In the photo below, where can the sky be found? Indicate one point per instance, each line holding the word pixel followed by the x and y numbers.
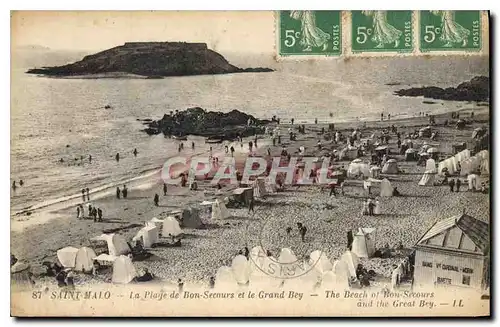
pixel 244 31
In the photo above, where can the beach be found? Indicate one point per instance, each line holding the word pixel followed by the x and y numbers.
pixel 403 220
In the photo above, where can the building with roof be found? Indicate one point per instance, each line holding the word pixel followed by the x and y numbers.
pixel 454 252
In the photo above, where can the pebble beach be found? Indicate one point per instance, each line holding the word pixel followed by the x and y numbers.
pixel 402 220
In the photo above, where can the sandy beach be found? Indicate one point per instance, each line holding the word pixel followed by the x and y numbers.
pixel 403 220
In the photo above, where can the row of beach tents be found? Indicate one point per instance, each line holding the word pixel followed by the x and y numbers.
pixel 466 164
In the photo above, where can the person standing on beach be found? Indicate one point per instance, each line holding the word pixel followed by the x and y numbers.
pixel 210 153
pixel 124 191
pixel 118 192
pixel 88 194
pixel 316 121
pixel 211 282
pixel 14 185
pixel 135 152
pixel 90 158
pixel 83 194
pixel 180 285
pixel 268 151
pixel 279 139
pixel 94 214
pixel 226 148
pixel 332 190
pixel 232 151
pixel 451 184
pixel 90 210
pixel 250 146
pixel 371 207
pixel 255 141
pixel 99 213
pixel 251 206
pixel 303 230
pixel 164 189
pixel 21 183
pixel 192 145
pixel 458 183
pixel 293 120
pixel 78 212
pixel 117 157
pixel 156 199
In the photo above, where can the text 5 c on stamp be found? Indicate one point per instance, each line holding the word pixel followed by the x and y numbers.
pixel 382 31
pixel 310 33
pixel 450 30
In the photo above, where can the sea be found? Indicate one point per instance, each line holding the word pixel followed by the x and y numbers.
pixel 53 119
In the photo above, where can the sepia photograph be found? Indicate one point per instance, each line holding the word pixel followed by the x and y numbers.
pixel 250 163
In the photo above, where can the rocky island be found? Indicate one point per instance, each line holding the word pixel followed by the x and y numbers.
pixel 149 60
pixel 477 89
pixel 214 125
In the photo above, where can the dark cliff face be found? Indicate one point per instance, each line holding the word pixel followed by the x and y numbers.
pixel 149 59
pixel 477 89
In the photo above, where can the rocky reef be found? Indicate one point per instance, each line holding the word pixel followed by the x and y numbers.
pixel 477 89
pixel 150 59
pixel 214 125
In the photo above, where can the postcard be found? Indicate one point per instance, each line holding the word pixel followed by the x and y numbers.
pixel 250 164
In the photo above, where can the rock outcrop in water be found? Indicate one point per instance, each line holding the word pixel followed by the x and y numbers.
pixel 477 89
pixel 197 121
pixel 151 59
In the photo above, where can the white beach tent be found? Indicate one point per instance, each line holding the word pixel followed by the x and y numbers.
pixel 170 227
pixel 219 210
pixel 241 269
pixel 363 244
pixel 85 259
pixel 430 166
pixel 485 167
pixel 287 256
pixel 427 179
pixel 385 188
pixel 450 164
pixel 470 165
pixel 67 256
pixel 462 155
pixel 390 167
pixel 116 244
pixel 352 261
pixel 123 270
pixel 473 181
pixel 358 168
pixel 147 235
pixel 483 154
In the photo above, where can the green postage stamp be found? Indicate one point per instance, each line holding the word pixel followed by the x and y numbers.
pixel 310 33
pixel 382 31
pixel 442 30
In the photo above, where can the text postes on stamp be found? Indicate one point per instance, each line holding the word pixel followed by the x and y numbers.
pixel 382 31
pixel 449 30
pixel 310 33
